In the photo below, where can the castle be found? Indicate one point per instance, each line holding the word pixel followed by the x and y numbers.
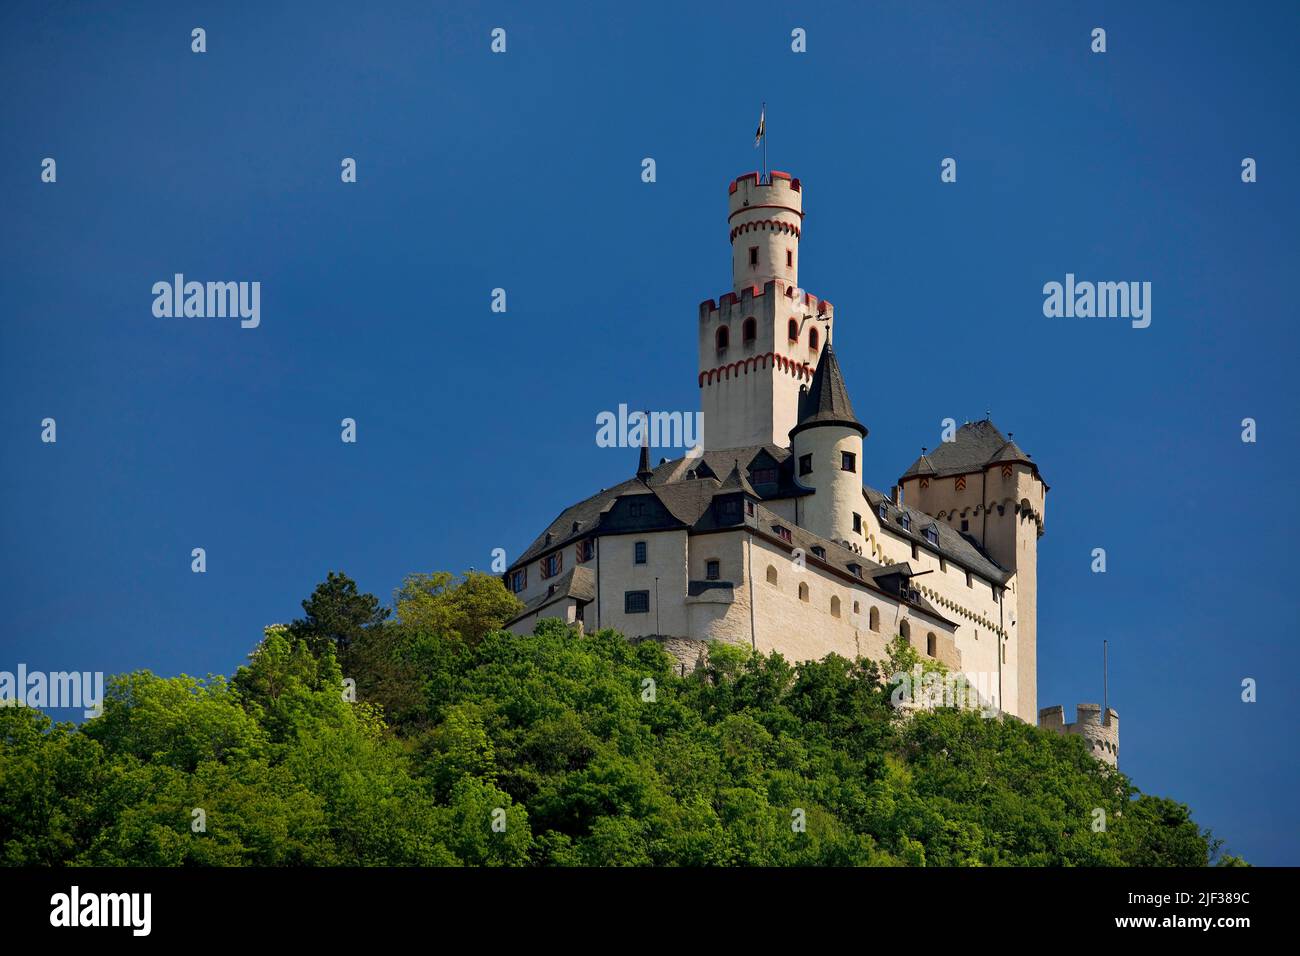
pixel 766 535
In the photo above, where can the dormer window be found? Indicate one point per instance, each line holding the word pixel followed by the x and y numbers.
pixel 856 570
pixel 883 512
pixel 763 476
pixel 932 534
pixel 782 533
pixel 819 552
pixel 905 520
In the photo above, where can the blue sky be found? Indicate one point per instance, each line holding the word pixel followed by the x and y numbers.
pixel 522 171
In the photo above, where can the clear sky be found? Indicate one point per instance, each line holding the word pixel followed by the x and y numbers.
pixel 523 171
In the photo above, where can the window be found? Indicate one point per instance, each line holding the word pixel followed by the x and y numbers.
pixel 969 582
pixel 905 630
pixel 763 476
pixel 586 550
pixel 873 619
pixel 932 535
pixel 731 509
pixel 905 520
pixel 848 461
pixel 552 563
pixel 856 608
pixel 636 509
pixel 805 465
pixel 857 523
pixel 753 256
pixel 882 512
pixel 636 602
pixel 577 612
pixel 749 332
pixel 518 580
pixel 943 564
pixel 803 591
pixel 639 549
pixel 812 338
pixel 771 574
pixel 782 533
pixel 724 338
pixel 855 569
pixel 835 606
pixel 965 525
pixel 931 644
pixel 789 258
pixel 712 570
pixel 749 508
pixel 549 537
pixel 916 552
pixel 819 552
pixel 792 330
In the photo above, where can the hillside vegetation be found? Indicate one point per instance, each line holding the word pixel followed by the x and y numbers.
pixel 469 745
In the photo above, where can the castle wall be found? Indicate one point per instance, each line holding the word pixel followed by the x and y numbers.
pixel 666 559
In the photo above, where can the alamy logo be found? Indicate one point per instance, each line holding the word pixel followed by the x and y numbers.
pixel 55 689
pixel 656 429
pixel 1103 300
pixel 927 689
pixel 103 909
pixel 209 300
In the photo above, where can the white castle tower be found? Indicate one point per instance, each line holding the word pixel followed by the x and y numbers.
pixel 759 344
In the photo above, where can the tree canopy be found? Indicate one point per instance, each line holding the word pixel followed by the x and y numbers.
pixel 468 745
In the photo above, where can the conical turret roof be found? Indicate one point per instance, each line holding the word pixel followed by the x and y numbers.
pixel 826 402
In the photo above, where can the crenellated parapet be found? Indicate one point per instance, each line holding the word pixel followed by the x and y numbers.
pixel 1100 734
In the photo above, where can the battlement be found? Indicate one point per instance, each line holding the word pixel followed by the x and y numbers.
pixel 731 301
pixel 783 194
pixel 1101 735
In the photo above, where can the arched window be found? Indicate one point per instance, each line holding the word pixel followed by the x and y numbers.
pixel 749 332
pixel 724 338
pixel 874 619
pixel 835 606
pixel 812 338
pixel 905 631
pixel 803 591
pixel 857 608
pixel 771 574
pixel 793 330
pixel 931 644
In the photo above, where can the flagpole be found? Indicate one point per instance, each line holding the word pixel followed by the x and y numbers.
pixel 764 115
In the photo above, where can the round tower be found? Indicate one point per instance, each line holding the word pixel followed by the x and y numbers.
pixel 765 220
pixel 827 448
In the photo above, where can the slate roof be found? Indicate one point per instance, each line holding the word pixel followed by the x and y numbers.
pixel 975 446
pixel 952 544
pixel 827 400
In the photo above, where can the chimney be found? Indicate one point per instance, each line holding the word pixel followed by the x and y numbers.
pixel 893 495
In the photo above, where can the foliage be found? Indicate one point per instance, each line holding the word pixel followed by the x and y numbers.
pixel 473 746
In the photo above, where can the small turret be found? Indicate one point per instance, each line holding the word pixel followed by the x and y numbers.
pixel 827 448
pixel 1101 735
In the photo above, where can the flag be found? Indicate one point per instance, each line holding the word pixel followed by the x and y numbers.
pixel 762 127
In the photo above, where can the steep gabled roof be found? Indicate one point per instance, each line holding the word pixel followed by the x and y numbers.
pixel 974 447
pixel 827 400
